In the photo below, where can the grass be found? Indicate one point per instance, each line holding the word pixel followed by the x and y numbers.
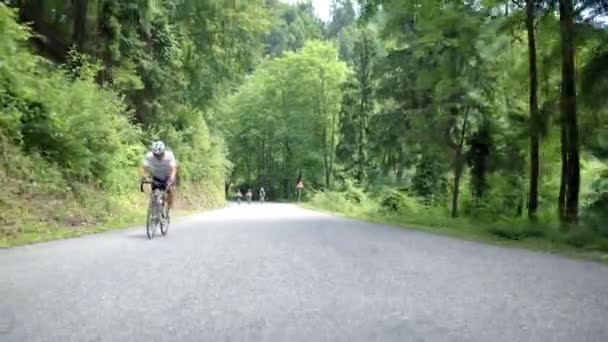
pixel 580 243
pixel 34 219
pixel 41 233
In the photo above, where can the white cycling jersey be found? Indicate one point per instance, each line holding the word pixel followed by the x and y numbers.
pixel 160 169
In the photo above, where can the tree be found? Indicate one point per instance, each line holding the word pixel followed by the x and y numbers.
pixel 79 30
pixel 342 16
pixel 570 179
pixel 289 108
pixel 534 115
pixel 358 102
pixel 292 26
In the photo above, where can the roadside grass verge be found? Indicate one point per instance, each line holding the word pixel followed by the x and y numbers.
pixel 32 234
pixel 42 220
pixel 579 242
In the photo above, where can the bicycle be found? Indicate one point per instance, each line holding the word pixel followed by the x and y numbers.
pixel 158 210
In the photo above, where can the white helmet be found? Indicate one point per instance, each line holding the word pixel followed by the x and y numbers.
pixel 158 148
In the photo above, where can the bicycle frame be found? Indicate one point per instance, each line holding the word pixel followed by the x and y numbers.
pixel 156 208
pixel 156 193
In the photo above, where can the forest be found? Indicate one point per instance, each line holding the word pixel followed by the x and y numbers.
pixel 484 117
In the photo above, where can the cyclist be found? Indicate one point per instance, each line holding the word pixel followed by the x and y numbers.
pixel 299 189
pixel 238 196
pixel 249 195
pixel 160 164
pixel 262 194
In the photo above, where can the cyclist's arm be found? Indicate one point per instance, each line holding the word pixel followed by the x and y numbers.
pixel 144 170
pixel 173 166
pixel 173 174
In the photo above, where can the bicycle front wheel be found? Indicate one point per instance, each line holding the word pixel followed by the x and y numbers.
pixel 164 226
pixel 152 221
pixel 149 224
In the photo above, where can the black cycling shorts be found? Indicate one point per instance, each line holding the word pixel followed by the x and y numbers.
pixel 160 184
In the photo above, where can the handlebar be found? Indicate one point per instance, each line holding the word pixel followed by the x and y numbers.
pixel 144 181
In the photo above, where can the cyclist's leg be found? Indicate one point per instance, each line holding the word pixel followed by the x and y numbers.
pixel 158 183
pixel 170 196
pixel 169 193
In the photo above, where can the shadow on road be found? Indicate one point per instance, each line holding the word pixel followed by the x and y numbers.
pixel 138 235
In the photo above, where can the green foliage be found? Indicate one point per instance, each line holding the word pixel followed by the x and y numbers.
pixel 390 114
pixel 71 122
pixel 394 201
pixel 343 16
pixel 283 120
pixel 428 181
pixel 450 94
pixel 595 215
pixel 358 104
pixel 518 231
pixel 349 199
pixel 291 28
pixel 414 216
pixel 70 135
pixel 351 192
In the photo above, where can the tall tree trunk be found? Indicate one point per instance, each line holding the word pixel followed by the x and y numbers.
pixel 364 71
pixel 399 173
pixel 534 130
pixel 332 149
pixel 107 35
pixel 329 133
pixel 262 162
pixel 458 165
pixel 326 158
pixel 287 186
pixel 227 188
pixel 561 200
pixel 48 38
pixel 80 11
pixel 269 168
pixel 360 151
pixel 568 108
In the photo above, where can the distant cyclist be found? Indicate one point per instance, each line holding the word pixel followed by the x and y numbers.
pixel 161 165
pixel 299 189
pixel 249 195
pixel 262 194
pixel 238 196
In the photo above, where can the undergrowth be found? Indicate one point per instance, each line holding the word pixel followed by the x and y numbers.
pixel 400 208
pixel 70 148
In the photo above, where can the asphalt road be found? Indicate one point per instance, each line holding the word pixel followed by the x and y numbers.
pixel 276 272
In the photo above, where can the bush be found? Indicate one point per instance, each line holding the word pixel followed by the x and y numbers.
pixel 428 181
pixel 595 216
pixel 36 197
pixel 350 199
pixel 392 201
pixel 519 231
pixel 68 150
pixel 330 200
pixel 70 121
pixel 580 237
pixel 351 192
